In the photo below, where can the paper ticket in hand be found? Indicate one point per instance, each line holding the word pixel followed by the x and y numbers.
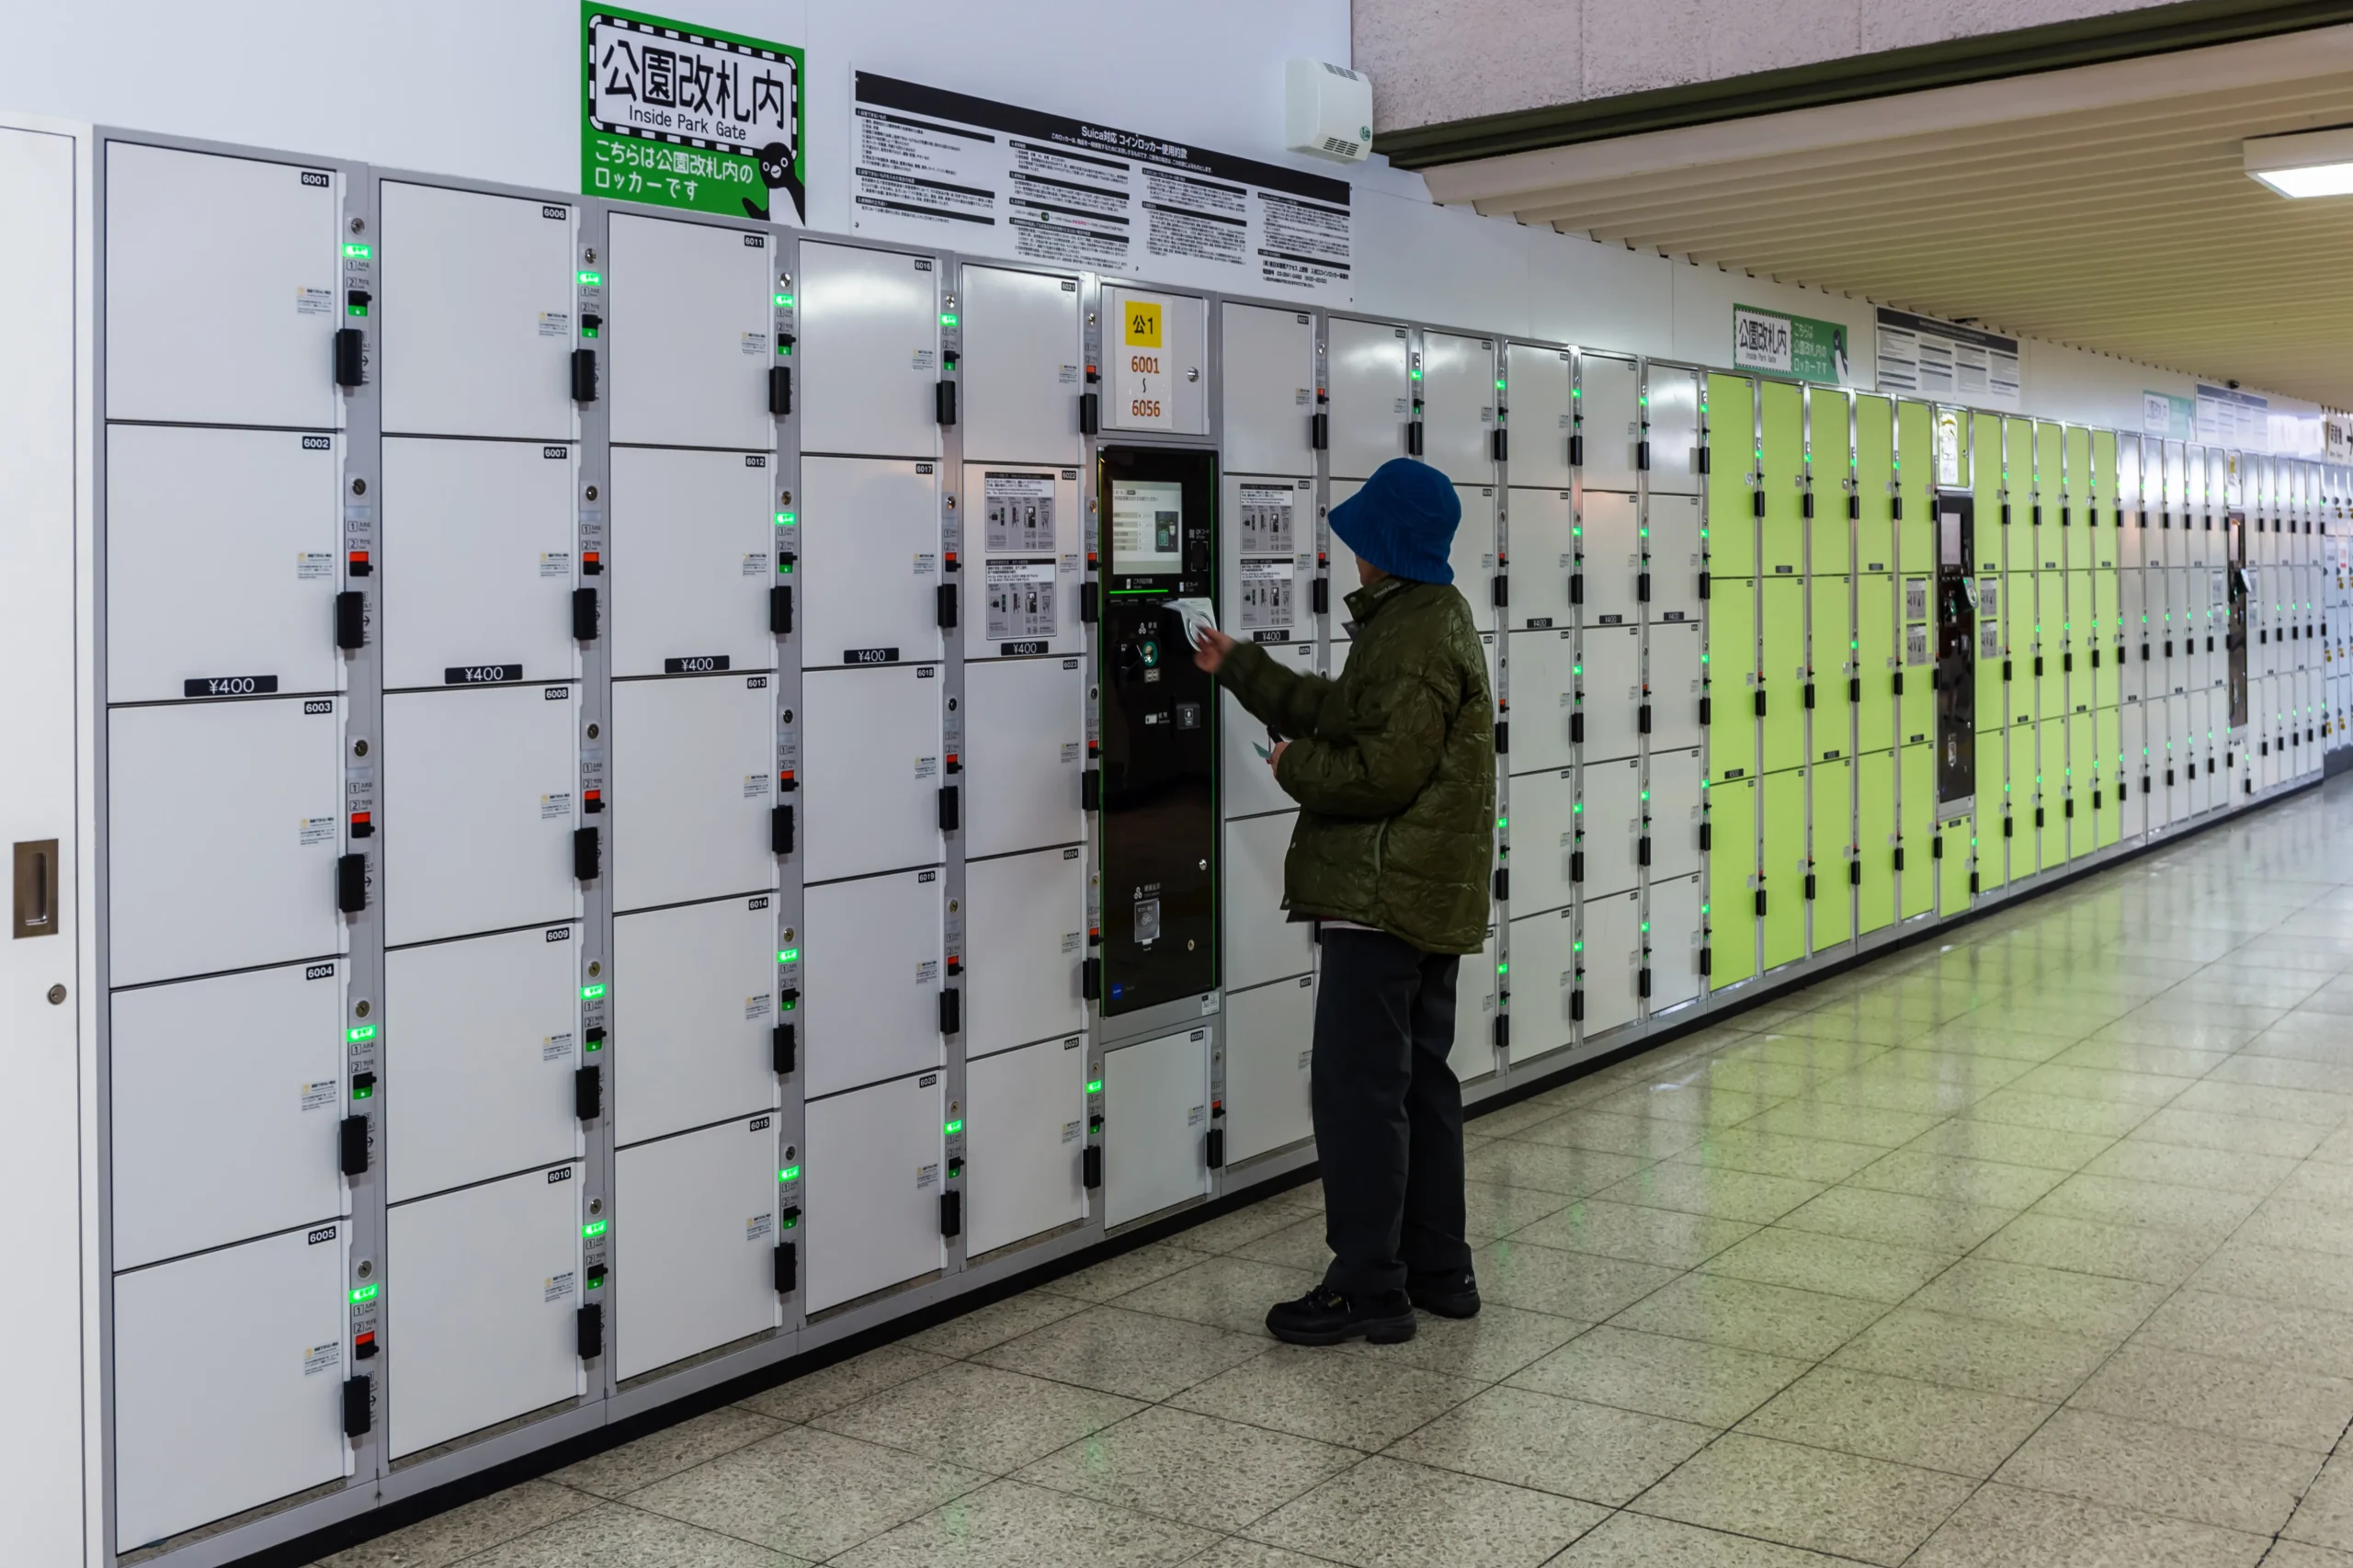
pixel 1195 614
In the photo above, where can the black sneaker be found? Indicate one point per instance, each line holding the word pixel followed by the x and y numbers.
pixel 1447 1298
pixel 1326 1317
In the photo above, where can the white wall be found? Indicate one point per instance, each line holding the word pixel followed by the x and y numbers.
pixel 491 88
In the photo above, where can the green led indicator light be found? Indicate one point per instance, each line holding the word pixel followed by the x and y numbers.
pixel 1503 969
pixel 591 992
pixel 594 1228
pixel 784 299
pixel 947 319
pixel 1096 1087
pixel 787 955
pixel 789 1172
pixel 1576 946
pixel 358 252
pixel 786 519
pixel 362 1093
pixel 591 280
pixel 953 1127
pixel 1499 383
pixel 365 1293
pixel 364 1032
pixel 355 309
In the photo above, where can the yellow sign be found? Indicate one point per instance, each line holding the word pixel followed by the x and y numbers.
pixel 1143 324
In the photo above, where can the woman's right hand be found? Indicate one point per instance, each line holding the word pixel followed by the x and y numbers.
pixel 1209 653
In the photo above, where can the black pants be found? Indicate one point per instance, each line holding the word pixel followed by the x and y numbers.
pixel 1388 1115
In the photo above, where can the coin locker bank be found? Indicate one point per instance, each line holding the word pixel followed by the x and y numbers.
pixel 650 807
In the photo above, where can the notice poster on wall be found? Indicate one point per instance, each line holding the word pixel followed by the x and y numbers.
pixel 1782 345
pixel 933 167
pixel 678 115
pixel 1943 362
pixel 2229 418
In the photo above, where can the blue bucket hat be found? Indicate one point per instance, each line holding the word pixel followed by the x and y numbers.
pixel 1403 521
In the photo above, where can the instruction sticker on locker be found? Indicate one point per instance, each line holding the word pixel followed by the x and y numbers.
pixel 1020 599
pixel 927 971
pixel 759 1226
pixel 1266 519
pixel 1018 513
pixel 318 1096
pixel 321 1358
pixel 758 1007
pixel 556 1289
pixel 1070 942
pixel 316 829
pixel 1915 644
pixel 755 784
pixel 1266 595
pixel 555 1047
pixel 926 1176
pixel 754 343
pixel 1073 1131
pixel 314 301
pixel 554 806
pixel 313 565
pixel 756 564
pixel 555 564
pixel 555 324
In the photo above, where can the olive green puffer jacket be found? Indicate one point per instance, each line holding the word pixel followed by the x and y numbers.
pixel 1394 765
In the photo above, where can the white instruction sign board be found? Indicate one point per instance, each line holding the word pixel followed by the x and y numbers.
pixel 933 167
pixel 1946 362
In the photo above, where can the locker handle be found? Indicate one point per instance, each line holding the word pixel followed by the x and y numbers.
pixel 588 1331
pixel 351 1146
pixel 1703 584
pixel 1501 444
pixel 1760 903
pixel 1854 688
pixel 1707 711
pixel 944 596
pixel 1707 960
pixel 2009 827
pixel 1643 719
pixel 1576 727
pixel 1090 979
pixel 943 402
pixel 1643 455
pixel 2037 816
pixel 782 830
pixel 358 1405
pixel 2006 670
pixel 1090 605
pixel 1853 507
pixel 783 1050
pixel 350 358
pixel 788 1268
pixel 1936 847
pixel 951 1011
pixel 1090 1166
pixel 1805 505
pixel 1576 450
pixel 588 1093
pixel 1642 982
pixel 1503 737
pixel 1760 702
pixel 583 614
pixel 951 1213
pixel 1809 695
pixel 1643 850
pixel 781 611
pixel 1213 1148
pixel 584 375
pixel 1702 455
pixel 1809 887
pixel 1090 789
pixel 1090 412
pixel 780 390
pixel 1503 1030
pixel 588 855
pixel 1414 439
pixel 2037 664
pixel 351 620
pixel 1320 596
pixel 1577 587
pixel 1899 857
pixel 1501 591
pixel 1756 502
pixel 1502 884
pixel 949 808
pixel 1895 507
pixel 1854 873
pixel 351 883
pixel 1576 866
pixel 1707 836
pixel 2067 661
pixel 1576 1005
pixel 1642 587
pixel 1319 431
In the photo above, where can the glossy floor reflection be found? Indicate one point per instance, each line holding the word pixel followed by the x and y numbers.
pixel 2034 1246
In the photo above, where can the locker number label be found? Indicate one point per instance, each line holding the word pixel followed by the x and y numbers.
pixel 1143 324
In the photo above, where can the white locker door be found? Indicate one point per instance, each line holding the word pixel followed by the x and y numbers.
pixel 691 560
pixel 2133 780
pixel 694 1245
pixel 1372 395
pixel 1472 556
pixel 1613 959
pixel 1473 1053
pixel 1544 964
pixel 1676 811
pixel 869 343
pixel 1341 567
pixel 1247 787
pixel 221 562
pixel 1262 941
pixel 1022 575
pixel 1268 1038
pixel 1610 404
pixel 1025 746
pixel 870 543
pixel 694 1006
pixel 1155 1122
pixel 2193 751
pixel 1544 823
pixel 869 771
pixel 483 1288
pixel 1671 403
pixel 1613 556
pixel 253 1334
pixel 2132 678
pixel 1024 1131
pixel 1612 682
pixel 1613 826
pixel 255 1060
pixel 872 1183
pixel 477 810
pixel 224 288
pixel 1459 406
pixel 2178 754
pixel 1021 366
pixel 481 1042
pixel 1538 393
pixel 1026 917
pixel 223 824
pixel 1675 682
pixel 688 312
pixel 1269 376
pixel 477 332
pixel 477 562
pixel 1543 552
pixel 1543 697
pixel 1676 525
pixel 871 959
pixel 693 781
pixel 1676 937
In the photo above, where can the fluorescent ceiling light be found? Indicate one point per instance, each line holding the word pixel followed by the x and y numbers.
pixel 2315 163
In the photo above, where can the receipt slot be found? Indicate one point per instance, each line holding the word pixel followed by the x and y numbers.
pixel 1159 728
pixel 1956 653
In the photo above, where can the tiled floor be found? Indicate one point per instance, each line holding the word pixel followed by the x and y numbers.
pixel 2034 1246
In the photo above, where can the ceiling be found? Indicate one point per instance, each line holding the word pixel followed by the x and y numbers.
pixel 2104 207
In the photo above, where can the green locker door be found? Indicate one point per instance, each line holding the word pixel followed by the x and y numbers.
pixel 1830 459
pixel 1781 407
pixel 2108 743
pixel 1731 687
pixel 2050 644
pixel 1832 792
pixel 1953 894
pixel 1732 459
pixel 1918 805
pixel 1732 874
pixel 2106 501
pixel 2108 648
pixel 1874 473
pixel 2051 789
pixel 1993 800
pixel 1986 483
pixel 2081 634
pixel 1877 659
pixel 2082 767
pixel 1780 656
pixel 2075 522
pixel 1916 722
pixel 1915 471
pixel 2049 496
pixel 2018 495
pixel 1781 853
pixel 2018 617
pixel 1875 839
pixel 1831 627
